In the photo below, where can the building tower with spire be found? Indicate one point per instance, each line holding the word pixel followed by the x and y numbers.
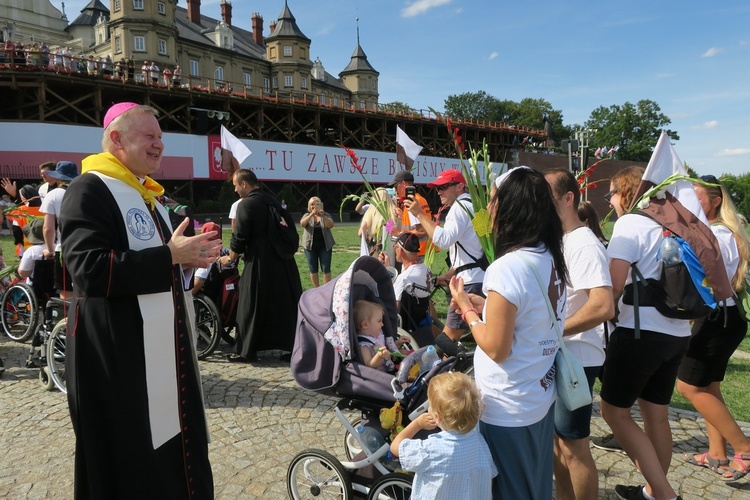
pixel 288 51
pixel 361 78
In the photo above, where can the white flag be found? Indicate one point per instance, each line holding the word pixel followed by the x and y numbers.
pixel 406 149
pixel 236 146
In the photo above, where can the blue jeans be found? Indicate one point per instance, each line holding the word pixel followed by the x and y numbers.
pixel 319 255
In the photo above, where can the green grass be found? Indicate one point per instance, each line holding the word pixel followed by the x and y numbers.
pixel 346 251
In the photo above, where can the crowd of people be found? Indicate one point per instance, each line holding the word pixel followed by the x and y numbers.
pixel 134 383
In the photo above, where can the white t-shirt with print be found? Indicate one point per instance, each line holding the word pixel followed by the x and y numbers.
pixel 588 267
pixel 520 390
pixel 418 274
pixel 233 209
pixel 636 239
pixel 51 205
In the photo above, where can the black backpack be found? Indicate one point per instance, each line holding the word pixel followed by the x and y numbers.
pixel 282 233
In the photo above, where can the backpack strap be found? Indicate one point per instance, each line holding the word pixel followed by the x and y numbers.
pixel 635 277
pixel 481 262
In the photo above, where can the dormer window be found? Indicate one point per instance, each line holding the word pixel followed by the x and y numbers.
pixel 288 50
pixel 223 36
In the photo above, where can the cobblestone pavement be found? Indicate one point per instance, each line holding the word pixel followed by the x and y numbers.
pixel 259 420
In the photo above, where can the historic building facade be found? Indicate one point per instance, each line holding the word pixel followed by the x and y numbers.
pixel 211 52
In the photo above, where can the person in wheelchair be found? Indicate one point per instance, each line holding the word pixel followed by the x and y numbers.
pixel 34 233
pixel 209 279
pixel 413 288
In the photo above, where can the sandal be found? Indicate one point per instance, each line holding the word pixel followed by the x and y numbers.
pixel 732 474
pixel 705 460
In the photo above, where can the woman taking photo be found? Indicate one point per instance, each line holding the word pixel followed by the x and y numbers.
pixel 317 240
pixel 713 341
pixel 517 341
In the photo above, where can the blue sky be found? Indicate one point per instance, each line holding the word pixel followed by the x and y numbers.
pixel 690 57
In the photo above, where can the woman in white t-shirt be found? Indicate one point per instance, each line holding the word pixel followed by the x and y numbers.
pixel 517 341
pixel 713 341
pixel 640 369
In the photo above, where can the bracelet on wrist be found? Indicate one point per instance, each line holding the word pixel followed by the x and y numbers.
pixel 471 309
pixel 474 323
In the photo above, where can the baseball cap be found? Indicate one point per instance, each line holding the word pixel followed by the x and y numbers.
pixel 409 242
pixel 446 177
pixel 116 110
pixel 211 226
pixel 401 175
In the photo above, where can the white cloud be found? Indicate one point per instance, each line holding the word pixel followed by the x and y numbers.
pixel 734 152
pixel 493 56
pixel 713 51
pixel 707 125
pixel 744 42
pixel 422 6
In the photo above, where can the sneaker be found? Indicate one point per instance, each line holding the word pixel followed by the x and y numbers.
pixel 608 443
pixel 630 492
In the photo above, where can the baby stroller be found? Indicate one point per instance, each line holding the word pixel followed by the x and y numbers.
pixel 326 359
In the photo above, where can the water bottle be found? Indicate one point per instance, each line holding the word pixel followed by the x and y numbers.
pixel 429 359
pixel 373 439
pixel 670 250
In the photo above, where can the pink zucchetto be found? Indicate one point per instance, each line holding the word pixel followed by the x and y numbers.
pixel 116 110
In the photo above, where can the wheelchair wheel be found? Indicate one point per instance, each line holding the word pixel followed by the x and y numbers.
pixel 208 327
pixel 19 312
pixel 56 354
pixel 394 486
pixel 316 473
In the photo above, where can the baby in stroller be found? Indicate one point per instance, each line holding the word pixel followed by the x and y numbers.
pixel 327 358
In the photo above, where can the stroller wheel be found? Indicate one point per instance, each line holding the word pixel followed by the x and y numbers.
pixel 315 473
pixel 394 486
pixel 351 446
pixel 46 379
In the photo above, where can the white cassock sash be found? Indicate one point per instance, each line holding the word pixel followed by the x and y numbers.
pixel 158 313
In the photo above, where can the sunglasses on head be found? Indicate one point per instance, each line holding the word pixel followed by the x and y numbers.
pixel 445 186
pixel 608 196
pixel 711 179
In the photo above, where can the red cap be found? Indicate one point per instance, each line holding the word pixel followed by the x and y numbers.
pixel 212 226
pixel 446 177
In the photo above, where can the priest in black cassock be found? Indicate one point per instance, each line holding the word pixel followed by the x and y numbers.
pixel 134 389
pixel 270 286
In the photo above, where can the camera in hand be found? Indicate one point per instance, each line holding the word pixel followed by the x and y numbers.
pixel 411 191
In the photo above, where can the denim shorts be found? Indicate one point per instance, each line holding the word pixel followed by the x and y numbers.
pixel 576 424
pixel 319 255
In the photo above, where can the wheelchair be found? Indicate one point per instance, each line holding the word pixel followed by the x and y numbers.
pixel 30 312
pixel 216 310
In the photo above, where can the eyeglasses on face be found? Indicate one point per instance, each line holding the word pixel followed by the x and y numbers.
pixel 608 196
pixel 445 186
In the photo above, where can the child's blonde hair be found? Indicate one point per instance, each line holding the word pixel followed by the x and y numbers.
pixel 456 399
pixel 364 310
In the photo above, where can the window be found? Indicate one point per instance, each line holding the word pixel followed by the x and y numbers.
pixel 219 73
pixel 288 81
pixel 117 5
pixel 194 68
pixel 267 84
pixel 161 8
pixel 304 82
pixel 247 79
pixel 162 46
pixel 362 106
pixel 287 50
pixel 275 82
pixel 139 44
pixel 138 4
pixel 336 101
pixel 118 45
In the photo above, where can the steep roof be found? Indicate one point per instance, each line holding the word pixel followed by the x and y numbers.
pixel 286 26
pixel 89 15
pixel 358 62
pixel 190 31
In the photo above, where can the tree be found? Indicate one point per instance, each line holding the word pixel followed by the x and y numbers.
pixel 397 107
pixel 472 105
pixel 635 129
pixel 738 188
